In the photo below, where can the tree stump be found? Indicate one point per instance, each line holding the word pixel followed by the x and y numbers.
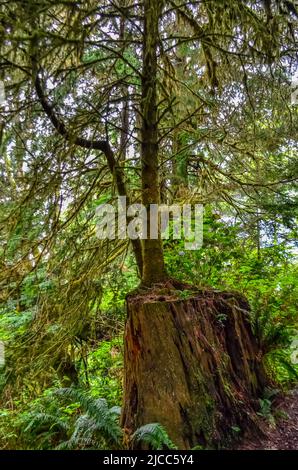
pixel 192 365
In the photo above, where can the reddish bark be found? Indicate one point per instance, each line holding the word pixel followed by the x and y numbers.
pixel 191 365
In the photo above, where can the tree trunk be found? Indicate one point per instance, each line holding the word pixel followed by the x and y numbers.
pixel 153 262
pixel 191 365
pixel 125 104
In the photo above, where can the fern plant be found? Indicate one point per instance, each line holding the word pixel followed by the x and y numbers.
pixel 46 420
pixel 55 423
pixel 42 429
pixel 275 334
pixel 98 426
pixel 280 366
pixel 154 435
pixel 269 332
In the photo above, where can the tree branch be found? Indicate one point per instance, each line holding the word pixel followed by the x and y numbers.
pixel 102 145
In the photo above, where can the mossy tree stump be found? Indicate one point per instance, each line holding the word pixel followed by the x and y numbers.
pixel 193 365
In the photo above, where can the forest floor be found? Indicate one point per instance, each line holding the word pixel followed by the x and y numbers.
pixel 283 435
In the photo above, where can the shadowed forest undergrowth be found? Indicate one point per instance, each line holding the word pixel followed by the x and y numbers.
pixel 282 434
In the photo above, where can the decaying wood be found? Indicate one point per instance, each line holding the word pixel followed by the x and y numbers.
pixel 192 365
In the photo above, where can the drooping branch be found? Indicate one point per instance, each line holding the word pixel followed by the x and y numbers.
pixel 101 145
pixel 59 125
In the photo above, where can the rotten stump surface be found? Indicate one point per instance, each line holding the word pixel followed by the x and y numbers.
pixel 193 365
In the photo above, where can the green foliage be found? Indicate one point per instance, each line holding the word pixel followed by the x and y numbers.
pixel 97 427
pixel 39 423
pixel 14 323
pixel 154 435
pixel 71 418
pixel 105 370
pixel 265 410
pixel 66 418
pixel 281 367
pixel 266 406
pixel 268 278
pixel 116 286
pixel 225 139
pixel 184 294
pixel 236 429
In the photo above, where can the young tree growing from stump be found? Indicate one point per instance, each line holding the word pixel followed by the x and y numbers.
pixel 191 363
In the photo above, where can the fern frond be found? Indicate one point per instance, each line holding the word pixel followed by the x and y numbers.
pixel 82 436
pixel 154 435
pixel 106 419
pixel 40 420
pixel 116 410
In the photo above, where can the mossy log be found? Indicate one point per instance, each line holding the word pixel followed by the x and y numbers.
pixel 193 365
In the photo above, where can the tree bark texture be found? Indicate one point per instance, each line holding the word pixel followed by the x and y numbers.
pixel 153 262
pixel 191 365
